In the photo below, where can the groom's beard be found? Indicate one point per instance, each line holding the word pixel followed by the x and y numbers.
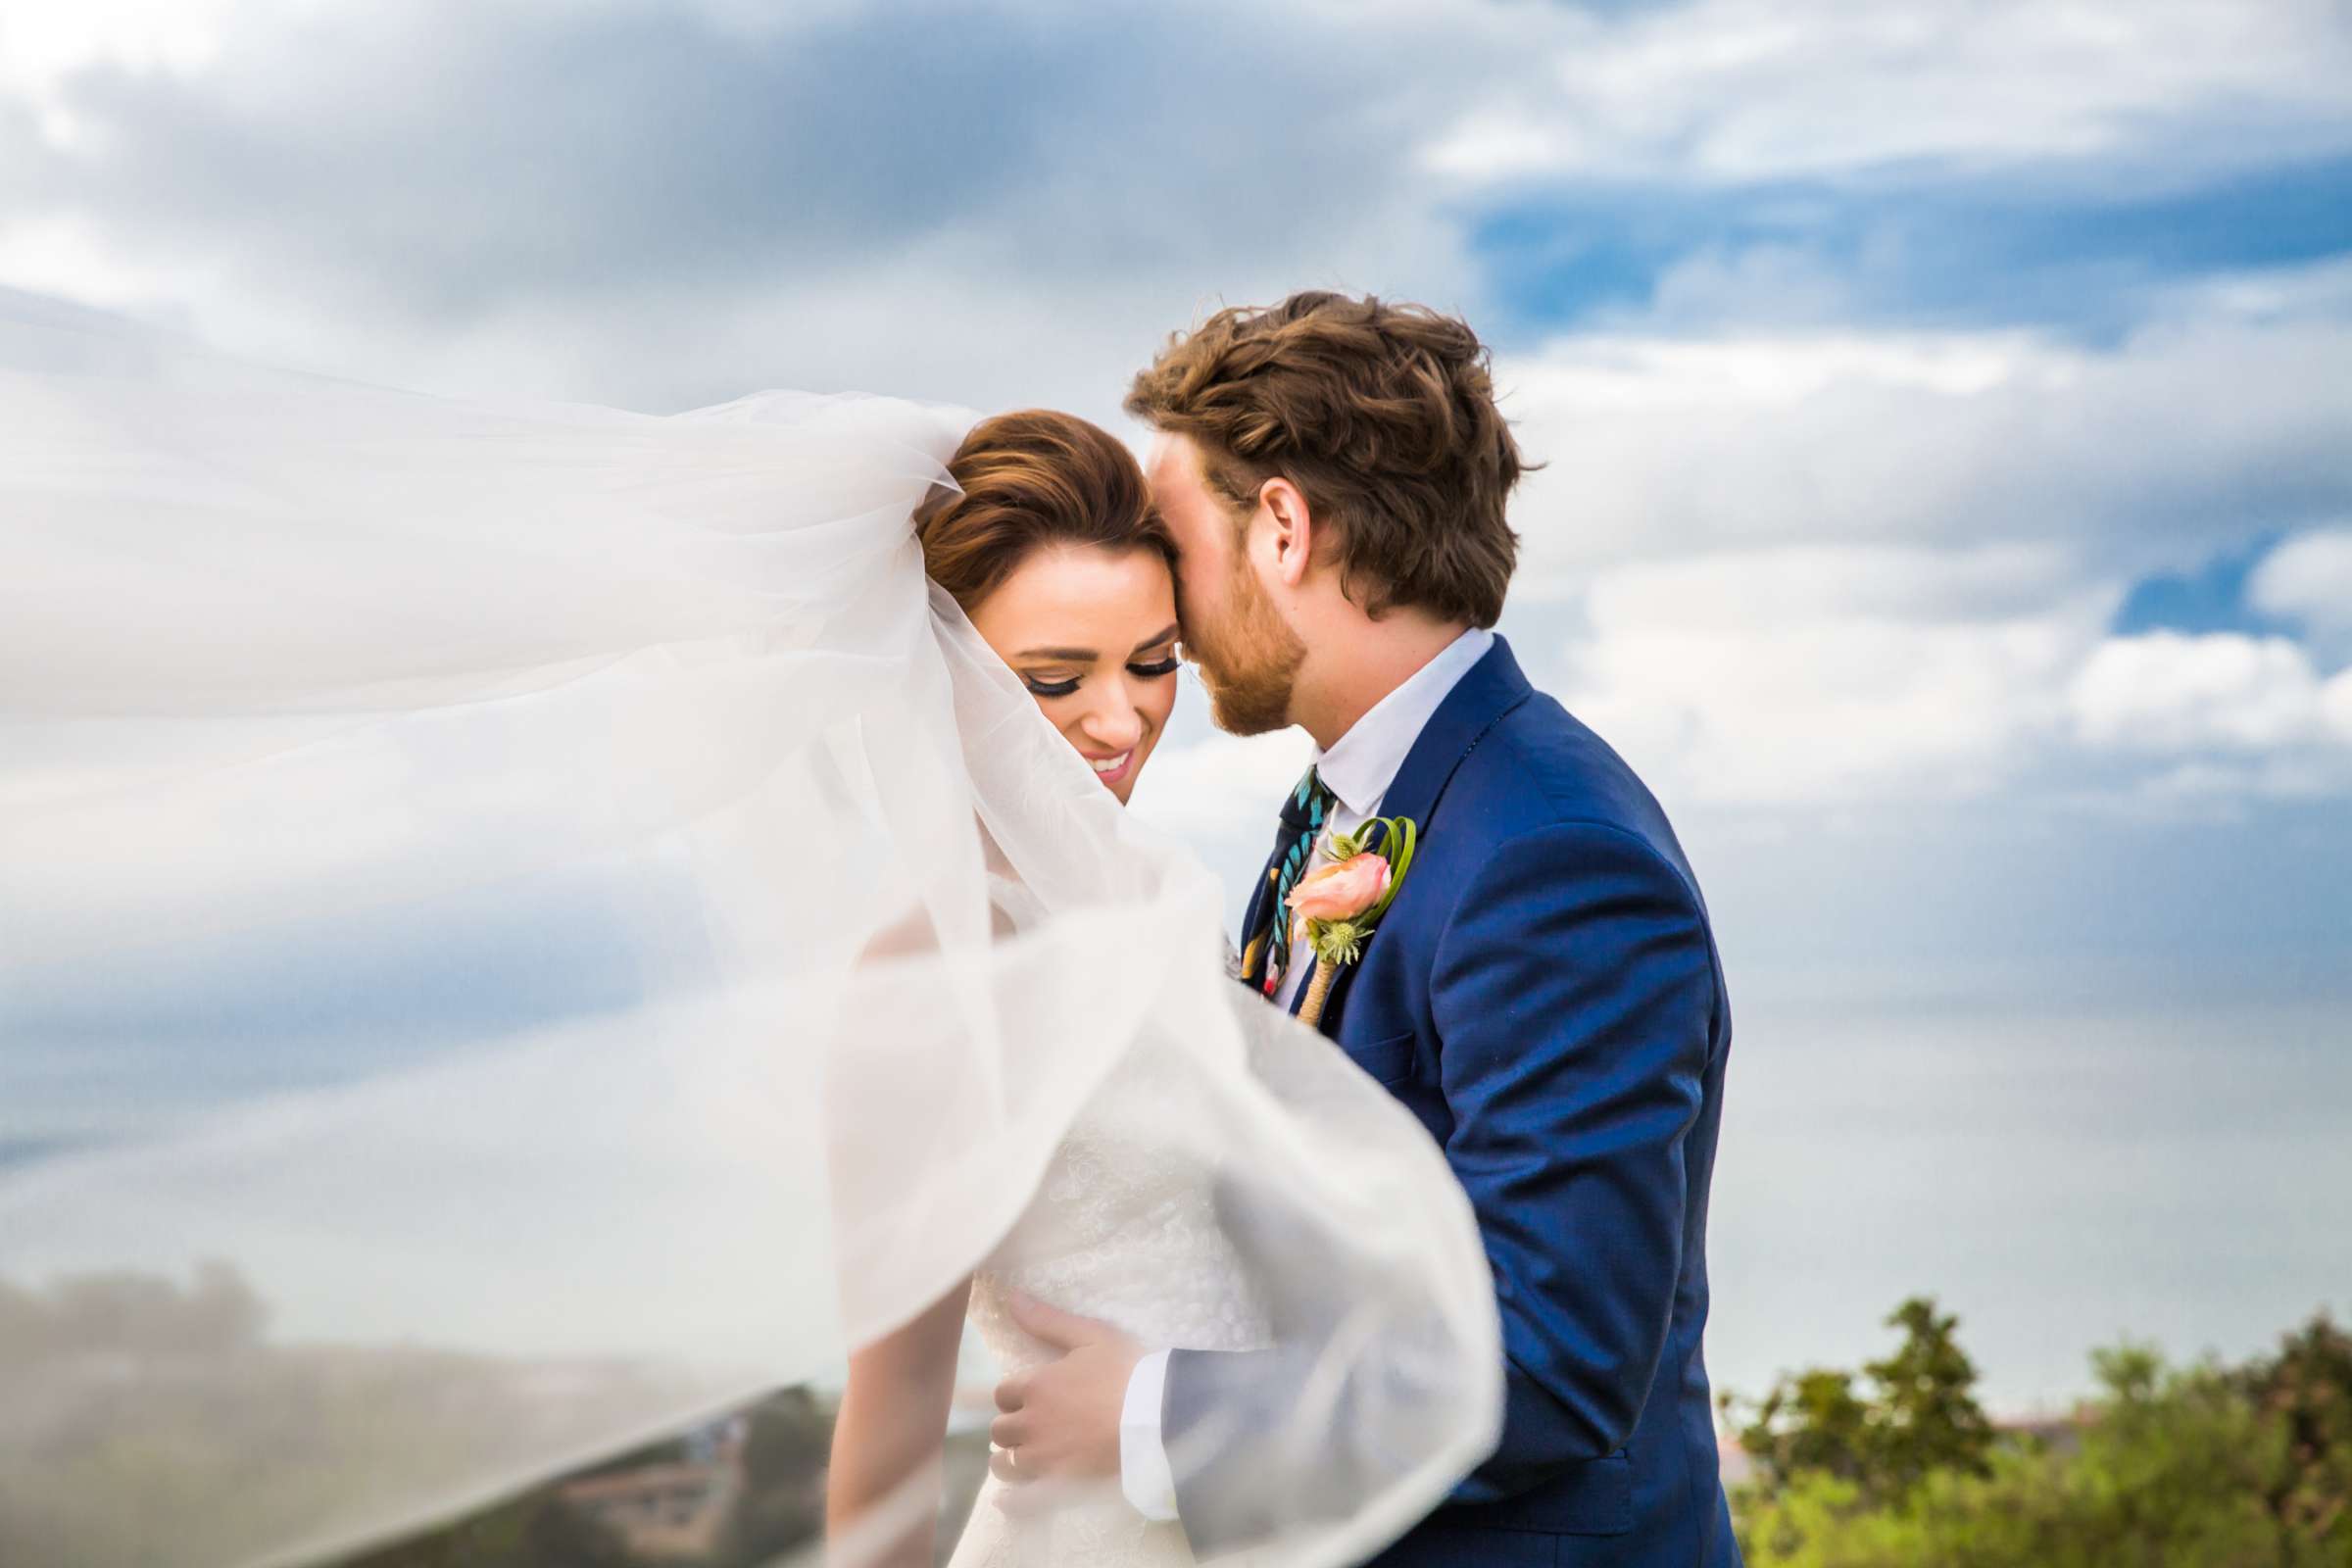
pixel 1248 662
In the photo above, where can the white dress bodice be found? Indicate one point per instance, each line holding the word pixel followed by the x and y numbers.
pixel 1123 1228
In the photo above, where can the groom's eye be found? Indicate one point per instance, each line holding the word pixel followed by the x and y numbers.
pixel 1164 667
pixel 1050 688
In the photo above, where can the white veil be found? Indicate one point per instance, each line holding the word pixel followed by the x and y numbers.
pixel 447 1029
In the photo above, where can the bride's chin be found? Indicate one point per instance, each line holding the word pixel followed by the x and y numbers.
pixel 1124 786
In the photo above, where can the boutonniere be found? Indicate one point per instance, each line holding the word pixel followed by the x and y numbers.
pixel 1336 906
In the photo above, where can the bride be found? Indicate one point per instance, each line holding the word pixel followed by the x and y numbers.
pixel 562 921
pixel 1051 546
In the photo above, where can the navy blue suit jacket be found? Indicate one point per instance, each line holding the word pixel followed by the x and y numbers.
pixel 1545 997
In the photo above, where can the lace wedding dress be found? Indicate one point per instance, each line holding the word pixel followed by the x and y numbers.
pixel 1124 1230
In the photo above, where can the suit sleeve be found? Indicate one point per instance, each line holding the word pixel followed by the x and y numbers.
pixel 1574 994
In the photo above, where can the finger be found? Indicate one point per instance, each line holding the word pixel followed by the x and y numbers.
pixel 1009 1431
pixel 1001 1465
pixel 1012 1393
pixel 1064 1331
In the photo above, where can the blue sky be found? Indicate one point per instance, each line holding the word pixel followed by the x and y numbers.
pixel 1948 405
pixel 2077 259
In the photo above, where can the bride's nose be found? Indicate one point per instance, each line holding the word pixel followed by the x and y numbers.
pixel 1114 722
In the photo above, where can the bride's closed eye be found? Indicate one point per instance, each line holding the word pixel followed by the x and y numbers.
pixel 1063 688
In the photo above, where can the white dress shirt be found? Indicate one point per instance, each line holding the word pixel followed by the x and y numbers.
pixel 1358 770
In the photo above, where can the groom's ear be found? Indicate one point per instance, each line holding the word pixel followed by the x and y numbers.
pixel 1293 533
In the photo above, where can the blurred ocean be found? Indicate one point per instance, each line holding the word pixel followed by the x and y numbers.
pixel 2059 1177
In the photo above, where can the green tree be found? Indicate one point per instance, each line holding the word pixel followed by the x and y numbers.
pixel 2305 1391
pixel 1923 1414
pixel 785 1450
pixel 2205 1466
pixel 1917 1416
pixel 1809 1423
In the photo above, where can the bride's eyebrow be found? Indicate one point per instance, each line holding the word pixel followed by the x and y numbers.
pixel 1086 656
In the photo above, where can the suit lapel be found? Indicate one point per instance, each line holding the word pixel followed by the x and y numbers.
pixel 1490 688
pixel 1486 691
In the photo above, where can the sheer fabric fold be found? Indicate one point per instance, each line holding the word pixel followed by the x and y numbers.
pixel 497 964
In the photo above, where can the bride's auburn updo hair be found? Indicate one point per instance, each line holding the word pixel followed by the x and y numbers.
pixel 1029 480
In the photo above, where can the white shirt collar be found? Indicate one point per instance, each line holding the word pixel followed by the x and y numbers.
pixel 1362 764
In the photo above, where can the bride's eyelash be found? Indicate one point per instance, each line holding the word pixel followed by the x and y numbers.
pixel 1062 688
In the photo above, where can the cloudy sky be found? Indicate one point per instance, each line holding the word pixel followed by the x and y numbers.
pixel 1947 406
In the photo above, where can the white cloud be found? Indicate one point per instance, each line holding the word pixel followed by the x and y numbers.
pixel 1831 568
pixel 47 42
pixel 2192 435
pixel 1812 677
pixel 2308 579
pixel 1750 90
pixel 2226 692
pixel 1812 674
pixel 659 205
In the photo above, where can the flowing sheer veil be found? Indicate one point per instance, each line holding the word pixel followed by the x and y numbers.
pixel 496 963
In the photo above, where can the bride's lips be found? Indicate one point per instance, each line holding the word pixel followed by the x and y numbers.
pixel 1114 767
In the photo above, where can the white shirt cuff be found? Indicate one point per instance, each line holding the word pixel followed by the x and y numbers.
pixel 1145 1475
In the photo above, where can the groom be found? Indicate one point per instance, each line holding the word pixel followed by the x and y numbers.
pixel 1543 994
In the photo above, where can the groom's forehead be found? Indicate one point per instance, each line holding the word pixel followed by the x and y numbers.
pixel 1156 451
pixel 1170 459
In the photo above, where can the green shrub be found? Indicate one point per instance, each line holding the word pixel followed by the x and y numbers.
pixel 2199 1467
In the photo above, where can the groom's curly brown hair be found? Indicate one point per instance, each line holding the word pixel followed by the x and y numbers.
pixel 1381 414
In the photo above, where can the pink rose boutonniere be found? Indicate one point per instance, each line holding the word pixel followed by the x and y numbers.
pixel 1334 908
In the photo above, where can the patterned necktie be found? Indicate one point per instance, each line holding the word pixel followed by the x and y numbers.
pixel 1303 818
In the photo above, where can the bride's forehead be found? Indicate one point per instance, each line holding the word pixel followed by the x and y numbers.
pixel 1068 564
pixel 1085 586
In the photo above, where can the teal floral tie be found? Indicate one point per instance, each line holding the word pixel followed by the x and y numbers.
pixel 1303 818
